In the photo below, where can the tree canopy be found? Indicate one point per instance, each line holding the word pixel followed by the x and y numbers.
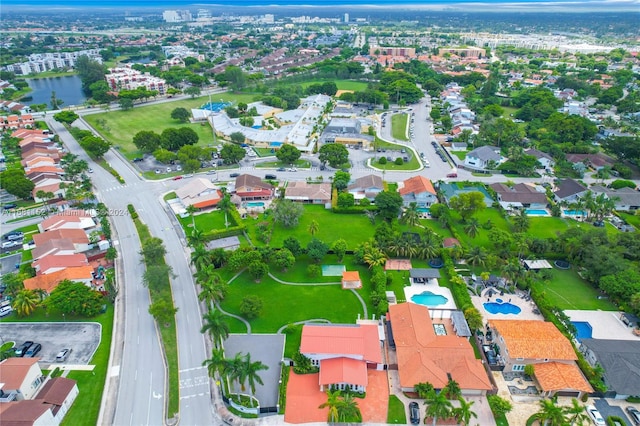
pixel 333 153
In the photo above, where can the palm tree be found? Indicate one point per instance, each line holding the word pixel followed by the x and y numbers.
pixel 575 413
pixel 521 221
pixel 476 256
pixel 314 227
pixel 438 406
pixel 333 403
pixel 427 249
pixel 423 389
pixel 26 302
pixel 550 414
pixel 224 205
pixel 200 257
pixel 215 364
pixel 373 256
pixel 348 410
pixel 452 389
pixel 215 323
pixel 472 227
pixel 196 237
pixel 213 290
pixel 191 210
pixel 371 215
pixel 251 372
pixel 234 369
pixel 411 215
pixel 463 414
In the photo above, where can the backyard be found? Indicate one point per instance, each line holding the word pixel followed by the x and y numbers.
pixel 567 290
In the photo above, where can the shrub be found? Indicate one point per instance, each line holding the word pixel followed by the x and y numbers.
pixel 382 160
pixel 132 211
pixel 399 161
pixel 302 364
pixel 314 270
pixel 621 183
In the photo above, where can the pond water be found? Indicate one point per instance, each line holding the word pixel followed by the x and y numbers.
pixel 67 88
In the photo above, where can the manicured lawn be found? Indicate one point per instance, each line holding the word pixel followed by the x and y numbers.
pixel 436 227
pixel 460 154
pixel 399 126
pixel 567 290
pixel 119 127
pixel 412 164
pixel 205 222
pixel 396 414
pixel 482 238
pixel 342 84
pixel 331 228
pixel 631 219
pixel 264 152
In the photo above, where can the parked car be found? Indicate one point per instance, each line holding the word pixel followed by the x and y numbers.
pixel 14 235
pixel 23 348
pixel 280 169
pixel 270 177
pixel 63 355
pixel 10 244
pixel 414 413
pixel 137 159
pixel 634 415
pixel 10 206
pixel 177 177
pixel 595 415
pixel 233 175
pixel 33 350
pixel 5 308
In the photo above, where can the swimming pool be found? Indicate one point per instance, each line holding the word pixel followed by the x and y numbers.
pixel 423 209
pixel 536 212
pixel 428 298
pixel 255 204
pixel 501 308
pixel 583 330
pixel 574 213
pixel 332 270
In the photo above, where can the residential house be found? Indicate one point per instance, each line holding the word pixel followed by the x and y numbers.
pixel 68 219
pixel 27 413
pixel 308 193
pixel 78 237
pixel 54 263
pixel 427 357
pixel 620 361
pixel 569 190
pixel 540 343
pixel 596 161
pixel 20 378
pixel 545 160
pixel 54 247
pixel 249 187
pixel 484 157
pixel 626 199
pixel 199 193
pixel 60 393
pixel 343 352
pixel 49 282
pixel 366 187
pixel 520 195
pixel 419 190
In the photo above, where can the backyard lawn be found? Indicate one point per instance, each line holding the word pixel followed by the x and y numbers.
pixel 482 238
pixel 396 414
pixel 119 127
pixel 399 126
pixel 631 219
pixel 205 222
pixel 567 290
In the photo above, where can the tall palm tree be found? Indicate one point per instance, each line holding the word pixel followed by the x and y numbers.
pixel 411 215
pixel 423 389
pixel 373 256
pixel 251 372
pixel 371 215
pixel 195 238
pixel 438 406
pixel 472 228
pixel 348 410
pixel 215 323
pixel 521 221
pixel 215 364
pixel 476 256
pixel 200 257
pixel 452 389
pixel 213 290
pixel 191 210
pixel 206 272
pixel 333 403
pixel 314 227
pixel 26 302
pixel 234 369
pixel 225 205
pixel 550 413
pixel 575 413
pixel 463 414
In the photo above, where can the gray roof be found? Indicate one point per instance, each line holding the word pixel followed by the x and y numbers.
pixel 485 153
pixel 366 182
pixel 460 324
pixel 620 361
pixel 569 187
pixel 224 243
pixel 424 273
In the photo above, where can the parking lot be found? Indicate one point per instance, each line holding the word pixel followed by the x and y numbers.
pixel 82 337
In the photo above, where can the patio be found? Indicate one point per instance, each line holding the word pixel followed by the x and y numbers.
pixel 605 324
pixel 528 308
pixel 417 289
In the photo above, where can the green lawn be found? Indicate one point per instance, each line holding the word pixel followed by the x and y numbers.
pixel 119 127
pixel 399 126
pixel 412 164
pixel 205 222
pixel 303 164
pixel 460 154
pixel 396 414
pixel 482 239
pixel 631 219
pixel 331 228
pixel 342 84
pixel 567 290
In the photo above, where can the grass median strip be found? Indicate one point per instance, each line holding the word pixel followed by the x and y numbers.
pixel 156 279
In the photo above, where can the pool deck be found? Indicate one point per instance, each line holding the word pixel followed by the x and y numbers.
pixel 526 307
pixel 414 289
pixel 605 324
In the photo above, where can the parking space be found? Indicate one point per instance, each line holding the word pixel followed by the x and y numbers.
pixel 607 410
pixel 8 263
pixel 82 337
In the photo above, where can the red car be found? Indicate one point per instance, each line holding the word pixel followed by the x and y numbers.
pixel 177 178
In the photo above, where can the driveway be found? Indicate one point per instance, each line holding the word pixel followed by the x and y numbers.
pixel 82 337
pixel 610 410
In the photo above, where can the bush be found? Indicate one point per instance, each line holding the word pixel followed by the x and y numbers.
pixel 132 211
pixel 399 161
pixel 382 160
pixel 314 270
pixel 621 183
pixel 302 364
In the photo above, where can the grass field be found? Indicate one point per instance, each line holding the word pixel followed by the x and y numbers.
pixel 567 290
pixel 205 222
pixel 396 414
pixel 399 126
pixel 631 219
pixel 119 127
pixel 342 84
pixel 482 239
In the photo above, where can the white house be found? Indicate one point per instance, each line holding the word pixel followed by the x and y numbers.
pixel 482 157
pixel 20 378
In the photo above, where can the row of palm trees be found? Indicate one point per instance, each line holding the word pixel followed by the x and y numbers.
pixel 342 407
pixel 439 406
pixel 551 414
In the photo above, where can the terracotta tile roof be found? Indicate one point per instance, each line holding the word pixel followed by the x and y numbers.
pixel 417 185
pixel 77 236
pixel 52 247
pixel 251 181
pixel 555 376
pixel 356 341
pixel 308 191
pixel 56 262
pixel 350 276
pixel 70 215
pixel 425 357
pixel 56 390
pixel 13 371
pixel 24 413
pixel 533 339
pixel 343 370
pixel 450 242
pixel 50 281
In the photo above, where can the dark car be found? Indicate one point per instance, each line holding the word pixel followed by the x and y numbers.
pixel 634 415
pixel 414 413
pixel 270 177
pixel 280 169
pixel 24 348
pixel 137 159
pixel 10 206
pixel 33 350
pixel 234 175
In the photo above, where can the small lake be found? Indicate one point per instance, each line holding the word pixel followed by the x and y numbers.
pixel 67 88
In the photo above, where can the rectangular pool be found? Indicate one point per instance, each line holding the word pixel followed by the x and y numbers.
pixel 574 213
pixel 536 212
pixel 255 204
pixel 332 270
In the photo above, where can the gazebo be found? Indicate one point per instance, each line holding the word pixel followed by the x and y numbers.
pixel 351 279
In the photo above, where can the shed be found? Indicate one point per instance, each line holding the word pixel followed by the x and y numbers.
pixel 227 243
pixel 351 279
pixel 535 265
pixel 423 275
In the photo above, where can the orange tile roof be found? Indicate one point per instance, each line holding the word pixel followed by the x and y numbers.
pixel 425 357
pixel 533 339
pixel 555 376
pixel 71 215
pixel 343 370
pixel 49 282
pixel 77 236
pixel 59 261
pixel 417 185
pixel 350 276
pixel 359 341
pixel 13 371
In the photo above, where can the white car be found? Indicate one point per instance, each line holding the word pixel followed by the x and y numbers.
pixel 595 415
